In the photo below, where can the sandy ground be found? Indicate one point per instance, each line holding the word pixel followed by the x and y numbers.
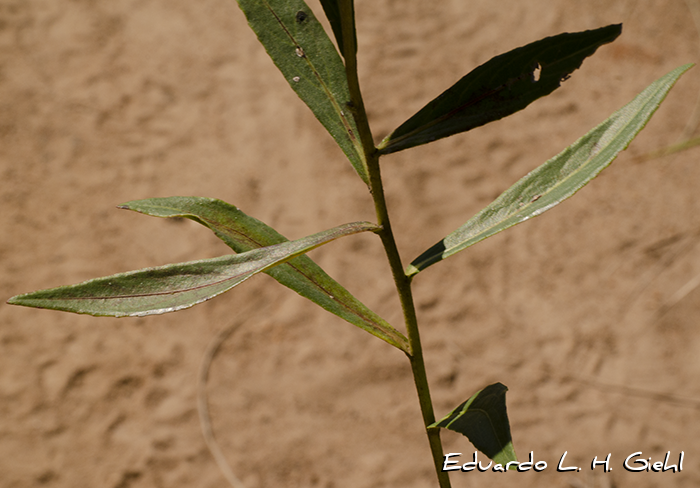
pixel 588 313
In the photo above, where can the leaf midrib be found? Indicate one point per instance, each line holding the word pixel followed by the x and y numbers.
pixel 315 283
pixel 397 336
pixel 329 94
pixel 522 210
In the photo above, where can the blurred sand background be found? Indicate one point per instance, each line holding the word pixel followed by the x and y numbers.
pixel 582 312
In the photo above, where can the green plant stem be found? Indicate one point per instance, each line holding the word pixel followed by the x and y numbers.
pixel 403 287
pixel 403 282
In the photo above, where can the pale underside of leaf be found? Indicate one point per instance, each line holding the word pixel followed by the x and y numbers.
pixel 303 52
pixel 176 286
pixel 243 233
pixel 557 179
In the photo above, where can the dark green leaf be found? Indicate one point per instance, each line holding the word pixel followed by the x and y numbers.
pixel 558 178
pixel 307 58
pixel 243 233
pixel 332 11
pixel 500 87
pixel 484 420
pixel 175 286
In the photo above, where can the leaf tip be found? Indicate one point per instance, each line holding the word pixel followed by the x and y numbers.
pixel 127 205
pixel 23 300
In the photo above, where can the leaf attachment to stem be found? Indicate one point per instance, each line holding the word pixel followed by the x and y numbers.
pixel 309 61
pixel 176 286
pixel 500 87
pixel 484 420
pixel 243 233
pixel 557 179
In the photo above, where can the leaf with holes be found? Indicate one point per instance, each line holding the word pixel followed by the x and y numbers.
pixel 557 179
pixel 243 233
pixel 500 87
pixel 307 58
pixel 173 287
pixel 484 420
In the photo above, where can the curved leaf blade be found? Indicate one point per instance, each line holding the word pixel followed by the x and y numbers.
pixel 483 419
pixel 243 233
pixel 557 179
pixel 500 87
pixel 173 287
pixel 303 52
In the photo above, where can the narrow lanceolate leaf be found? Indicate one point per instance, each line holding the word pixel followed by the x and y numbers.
pixel 558 178
pixel 307 58
pixel 484 420
pixel 175 286
pixel 243 233
pixel 500 87
pixel 332 10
